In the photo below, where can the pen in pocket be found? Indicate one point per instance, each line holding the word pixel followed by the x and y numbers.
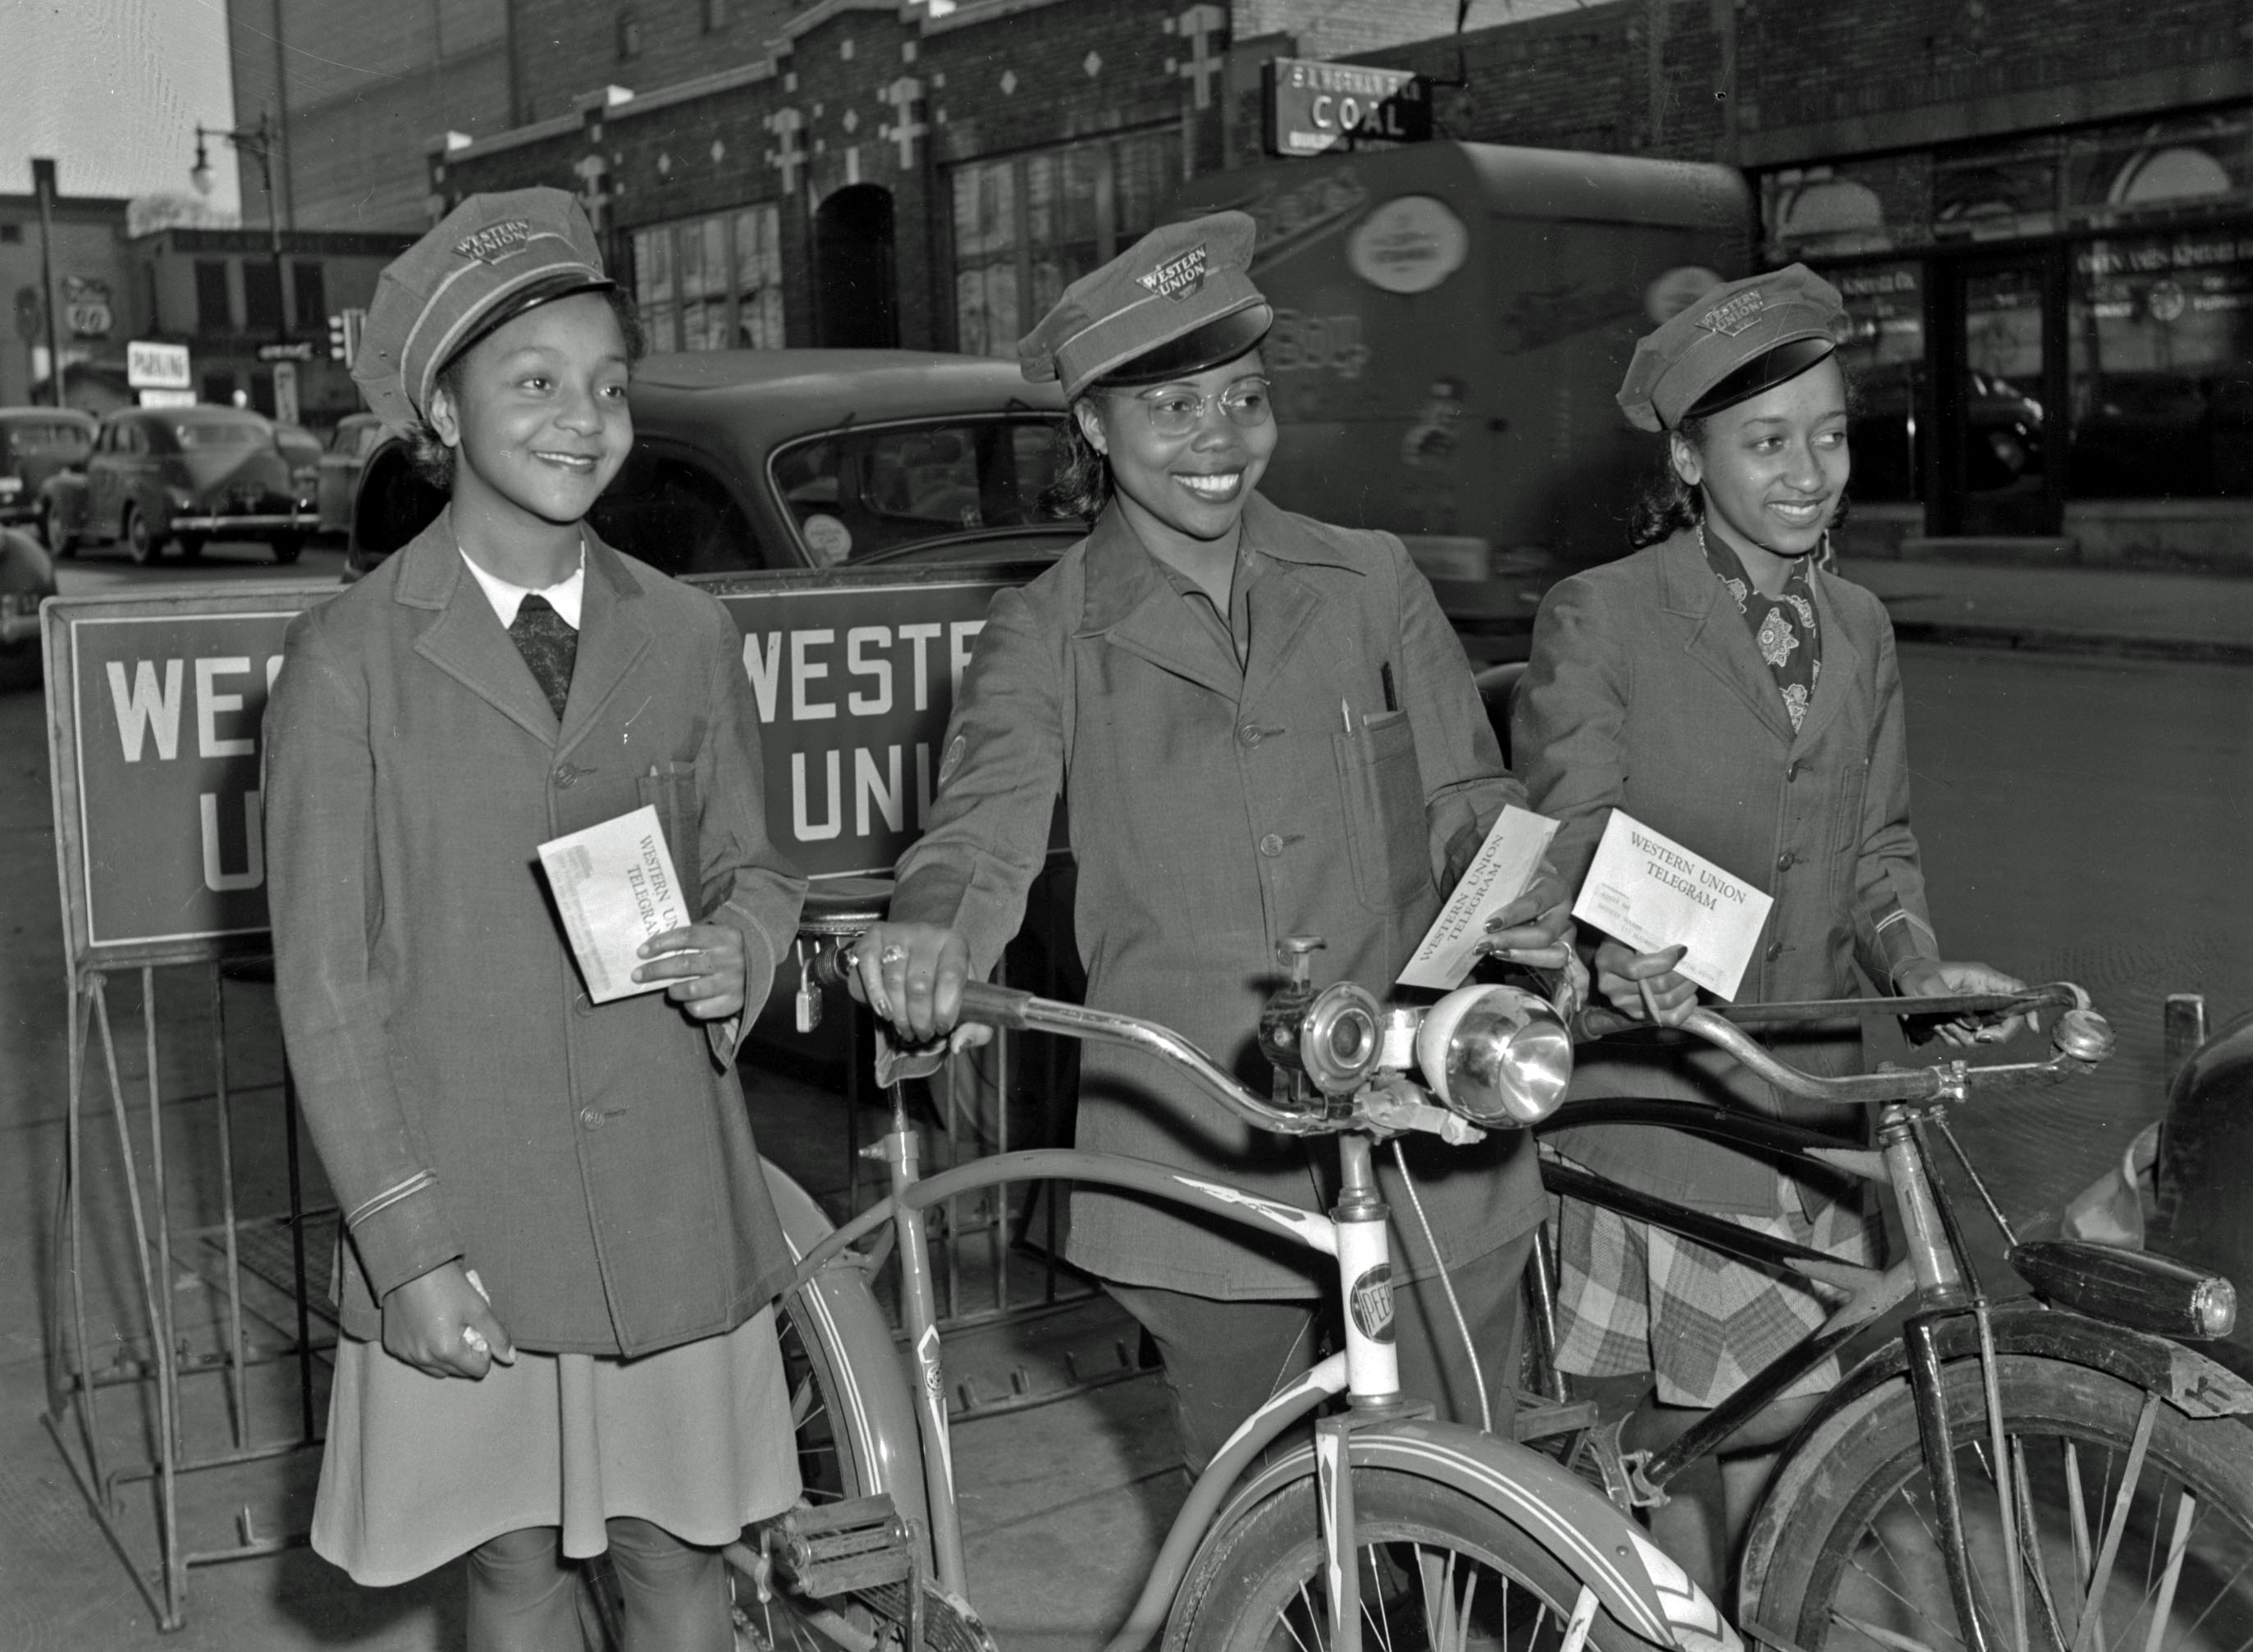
pixel 1345 712
pixel 1391 697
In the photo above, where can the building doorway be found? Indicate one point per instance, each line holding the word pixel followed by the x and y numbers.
pixel 855 277
pixel 1998 460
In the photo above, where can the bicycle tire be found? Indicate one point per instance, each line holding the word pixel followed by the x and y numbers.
pixel 1258 1585
pixel 1855 1550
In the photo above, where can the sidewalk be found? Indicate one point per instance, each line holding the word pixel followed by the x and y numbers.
pixel 2064 610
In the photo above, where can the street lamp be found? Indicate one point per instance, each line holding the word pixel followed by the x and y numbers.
pixel 260 141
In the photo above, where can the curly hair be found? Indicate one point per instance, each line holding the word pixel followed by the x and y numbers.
pixel 1081 486
pixel 432 460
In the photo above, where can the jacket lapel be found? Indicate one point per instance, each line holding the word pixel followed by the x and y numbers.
pixel 466 640
pixel 1284 600
pixel 1842 660
pixel 613 636
pixel 1132 605
pixel 1716 635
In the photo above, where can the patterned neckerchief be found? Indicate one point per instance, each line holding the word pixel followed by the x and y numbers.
pixel 1784 628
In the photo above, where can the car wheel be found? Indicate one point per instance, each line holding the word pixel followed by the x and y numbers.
pixel 141 541
pixel 53 531
pixel 285 551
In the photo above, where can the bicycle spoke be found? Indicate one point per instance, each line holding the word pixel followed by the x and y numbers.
pixel 1888 1638
pixel 1315 1618
pixel 1383 1603
pixel 2030 1539
pixel 2116 1526
pixel 2178 1547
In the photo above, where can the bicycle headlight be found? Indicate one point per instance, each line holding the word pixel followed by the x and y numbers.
pixel 1496 1055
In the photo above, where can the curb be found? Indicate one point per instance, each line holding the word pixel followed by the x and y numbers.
pixel 2036 639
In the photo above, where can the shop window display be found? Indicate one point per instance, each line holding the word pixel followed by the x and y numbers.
pixel 711 283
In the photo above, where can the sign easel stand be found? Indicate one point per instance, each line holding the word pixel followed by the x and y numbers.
pixel 73 1420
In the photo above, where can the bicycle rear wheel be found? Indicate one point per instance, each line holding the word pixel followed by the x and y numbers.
pixel 1439 1571
pixel 1857 1564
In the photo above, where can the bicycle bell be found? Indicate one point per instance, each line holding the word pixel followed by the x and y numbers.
pixel 1330 1037
pixel 1496 1055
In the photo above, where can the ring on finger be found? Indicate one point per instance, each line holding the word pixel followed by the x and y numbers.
pixel 893 955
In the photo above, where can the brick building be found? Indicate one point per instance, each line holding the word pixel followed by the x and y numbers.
pixel 100 302
pixel 225 295
pixel 2041 213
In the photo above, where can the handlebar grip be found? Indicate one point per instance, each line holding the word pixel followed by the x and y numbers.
pixel 992 1005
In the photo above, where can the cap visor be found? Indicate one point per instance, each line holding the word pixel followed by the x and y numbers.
pixel 1764 372
pixel 1209 345
pixel 562 284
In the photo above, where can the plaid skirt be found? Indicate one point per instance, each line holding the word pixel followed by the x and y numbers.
pixel 1632 1297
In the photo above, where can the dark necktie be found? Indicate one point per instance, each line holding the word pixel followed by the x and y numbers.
pixel 549 646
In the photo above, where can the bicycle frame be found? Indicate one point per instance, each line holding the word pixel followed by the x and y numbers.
pixel 1953 1319
pixel 1619 1569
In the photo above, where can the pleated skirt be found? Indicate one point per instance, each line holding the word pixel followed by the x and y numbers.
pixel 419 1469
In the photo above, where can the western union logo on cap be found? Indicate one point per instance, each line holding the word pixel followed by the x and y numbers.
pixel 1177 278
pixel 1732 318
pixel 496 242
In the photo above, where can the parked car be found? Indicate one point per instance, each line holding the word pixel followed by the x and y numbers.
pixel 751 459
pixel 301 449
pixel 27 578
pixel 156 475
pixel 35 442
pixel 350 443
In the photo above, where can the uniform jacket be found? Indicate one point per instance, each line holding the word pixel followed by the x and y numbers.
pixel 594 1163
pixel 1214 810
pixel 1646 692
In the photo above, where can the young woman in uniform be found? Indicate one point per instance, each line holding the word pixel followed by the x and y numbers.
pixel 1725 687
pixel 1259 727
pixel 559 1248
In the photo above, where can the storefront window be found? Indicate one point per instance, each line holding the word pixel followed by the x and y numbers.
pixel 1026 227
pixel 1883 355
pixel 2161 333
pixel 711 283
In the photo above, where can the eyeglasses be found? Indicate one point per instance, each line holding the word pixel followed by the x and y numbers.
pixel 1176 413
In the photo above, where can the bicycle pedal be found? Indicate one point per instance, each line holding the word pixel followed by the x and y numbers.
pixel 950 1623
pixel 841 1548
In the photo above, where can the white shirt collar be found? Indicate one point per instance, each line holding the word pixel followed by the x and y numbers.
pixel 505 598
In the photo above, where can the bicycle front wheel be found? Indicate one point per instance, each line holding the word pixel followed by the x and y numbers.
pixel 1438 1570
pixel 2147 1547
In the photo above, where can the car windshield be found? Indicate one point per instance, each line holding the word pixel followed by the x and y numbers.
pixel 854 493
pixel 197 435
pixel 42 436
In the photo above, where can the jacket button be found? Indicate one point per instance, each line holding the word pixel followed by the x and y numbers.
pixel 590 1118
pixel 1786 861
pixel 1251 733
pixel 1271 845
pixel 565 776
pixel 582 1003
pixel 1775 950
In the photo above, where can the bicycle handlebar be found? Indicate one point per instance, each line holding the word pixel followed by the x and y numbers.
pixel 2079 1039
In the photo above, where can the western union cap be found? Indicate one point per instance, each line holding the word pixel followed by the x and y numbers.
pixel 1177 302
pixel 1740 339
pixel 491 258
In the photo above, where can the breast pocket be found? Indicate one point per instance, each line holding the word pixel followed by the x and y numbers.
pixel 1846 831
pixel 1383 799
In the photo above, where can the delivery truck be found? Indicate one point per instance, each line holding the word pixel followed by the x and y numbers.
pixel 1452 321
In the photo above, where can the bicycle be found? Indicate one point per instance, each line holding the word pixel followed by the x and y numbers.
pixel 2068 1476
pixel 1383 1519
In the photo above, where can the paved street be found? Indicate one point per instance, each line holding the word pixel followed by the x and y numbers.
pixel 2082 816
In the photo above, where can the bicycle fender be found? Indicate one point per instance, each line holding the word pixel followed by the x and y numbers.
pixel 874 1408
pixel 2194 1383
pixel 1633 1579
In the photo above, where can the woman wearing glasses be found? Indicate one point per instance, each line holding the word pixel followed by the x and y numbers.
pixel 1259 727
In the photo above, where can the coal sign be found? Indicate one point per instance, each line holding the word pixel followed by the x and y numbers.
pixel 1320 108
